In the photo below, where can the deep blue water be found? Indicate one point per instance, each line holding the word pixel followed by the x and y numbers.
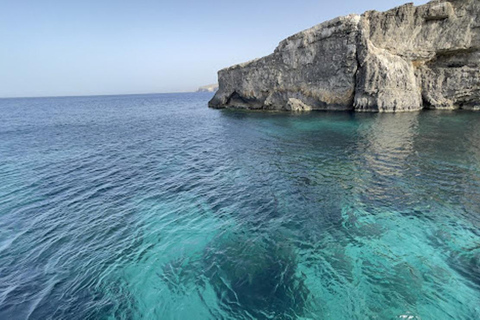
pixel 156 207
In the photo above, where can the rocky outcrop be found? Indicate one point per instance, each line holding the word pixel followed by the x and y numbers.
pixel 405 59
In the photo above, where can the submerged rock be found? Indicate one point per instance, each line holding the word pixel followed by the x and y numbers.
pixel 404 59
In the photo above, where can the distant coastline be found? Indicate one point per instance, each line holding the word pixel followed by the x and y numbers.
pixel 208 88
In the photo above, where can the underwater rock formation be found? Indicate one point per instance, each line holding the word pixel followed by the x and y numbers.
pixel 405 59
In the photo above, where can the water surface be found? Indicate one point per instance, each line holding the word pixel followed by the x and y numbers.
pixel 156 207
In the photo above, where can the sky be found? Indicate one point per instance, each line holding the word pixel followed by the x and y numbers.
pixel 96 47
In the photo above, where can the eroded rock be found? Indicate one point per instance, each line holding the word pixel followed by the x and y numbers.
pixel 404 59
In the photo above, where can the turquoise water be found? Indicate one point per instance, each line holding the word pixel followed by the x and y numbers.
pixel 156 207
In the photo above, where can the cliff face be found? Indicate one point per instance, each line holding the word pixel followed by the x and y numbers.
pixel 405 59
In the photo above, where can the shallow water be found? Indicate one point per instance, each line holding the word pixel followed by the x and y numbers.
pixel 156 207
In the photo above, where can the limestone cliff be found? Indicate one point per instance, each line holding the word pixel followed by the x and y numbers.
pixel 404 59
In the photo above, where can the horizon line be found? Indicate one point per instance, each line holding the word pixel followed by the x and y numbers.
pixel 99 95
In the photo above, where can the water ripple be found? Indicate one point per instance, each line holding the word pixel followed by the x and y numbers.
pixel 156 207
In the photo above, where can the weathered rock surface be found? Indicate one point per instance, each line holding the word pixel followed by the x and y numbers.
pixel 404 59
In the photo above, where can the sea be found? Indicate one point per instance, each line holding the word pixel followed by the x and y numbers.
pixel 157 207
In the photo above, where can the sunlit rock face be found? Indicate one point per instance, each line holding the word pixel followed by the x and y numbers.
pixel 405 59
pixel 312 70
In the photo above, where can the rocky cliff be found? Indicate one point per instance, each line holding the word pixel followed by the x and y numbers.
pixel 404 59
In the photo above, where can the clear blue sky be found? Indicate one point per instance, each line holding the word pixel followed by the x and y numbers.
pixel 89 47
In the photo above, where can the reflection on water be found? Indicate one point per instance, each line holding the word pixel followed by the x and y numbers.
pixel 383 157
pixel 156 207
pixel 387 143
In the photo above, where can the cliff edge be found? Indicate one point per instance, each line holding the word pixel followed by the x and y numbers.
pixel 404 59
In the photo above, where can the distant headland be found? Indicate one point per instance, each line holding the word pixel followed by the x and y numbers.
pixel 405 59
pixel 208 88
